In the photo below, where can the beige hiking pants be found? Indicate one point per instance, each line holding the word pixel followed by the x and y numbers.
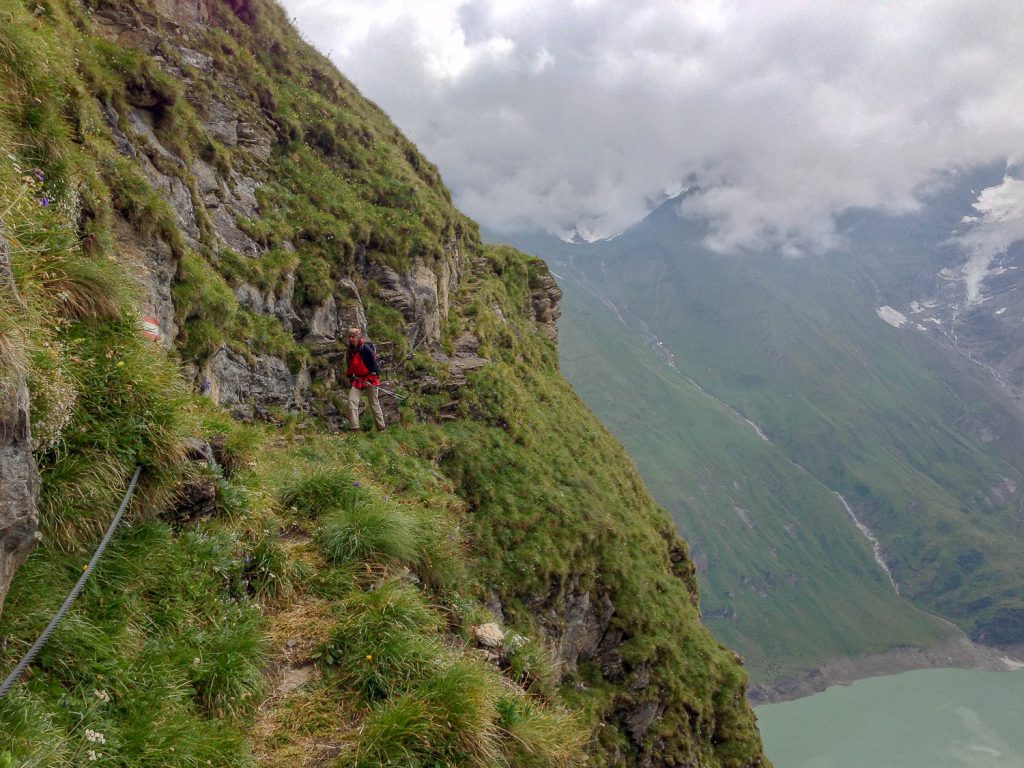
pixel 353 406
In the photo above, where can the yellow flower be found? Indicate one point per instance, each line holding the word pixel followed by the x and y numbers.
pixel 369 657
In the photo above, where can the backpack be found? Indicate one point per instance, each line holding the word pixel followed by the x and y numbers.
pixel 369 345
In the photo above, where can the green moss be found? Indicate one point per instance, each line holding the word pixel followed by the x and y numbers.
pixel 136 200
pixel 205 307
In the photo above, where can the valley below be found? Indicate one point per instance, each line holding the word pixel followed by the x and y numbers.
pixel 849 487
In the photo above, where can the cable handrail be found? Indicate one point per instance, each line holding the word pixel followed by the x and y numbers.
pixel 22 665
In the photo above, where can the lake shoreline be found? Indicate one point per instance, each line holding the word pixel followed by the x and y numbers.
pixel 958 653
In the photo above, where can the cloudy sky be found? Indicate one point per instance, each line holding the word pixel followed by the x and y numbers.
pixel 583 113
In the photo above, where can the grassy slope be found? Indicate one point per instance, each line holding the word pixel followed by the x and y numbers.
pixel 166 651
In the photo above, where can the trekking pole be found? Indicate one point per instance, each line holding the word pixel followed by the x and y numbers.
pixel 393 394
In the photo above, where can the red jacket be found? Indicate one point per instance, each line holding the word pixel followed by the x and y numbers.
pixel 363 367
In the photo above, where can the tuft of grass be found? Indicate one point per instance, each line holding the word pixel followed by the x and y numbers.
pixel 156 643
pixel 81 288
pixel 371 529
pixel 268 571
pixel 450 717
pixel 385 639
pixel 541 735
pixel 462 701
pixel 529 664
pixel 319 490
pixel 228 678
pixel 205 308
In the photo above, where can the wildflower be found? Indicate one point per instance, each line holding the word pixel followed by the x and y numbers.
pixel 120 363
pixel 92 755
pixel 40 176
pixel 369 657
pixel 45 202
pixel 94 737
pixel 355 485
pixel 196 661
pixel 102 695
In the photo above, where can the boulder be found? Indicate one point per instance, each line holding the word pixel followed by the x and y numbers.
pixel 488 635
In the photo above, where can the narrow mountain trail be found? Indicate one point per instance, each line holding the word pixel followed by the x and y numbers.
pixel 298 724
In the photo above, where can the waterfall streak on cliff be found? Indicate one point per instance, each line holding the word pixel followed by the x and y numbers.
pixel 876 547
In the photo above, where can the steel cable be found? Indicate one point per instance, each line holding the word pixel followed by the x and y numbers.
pixel 19 670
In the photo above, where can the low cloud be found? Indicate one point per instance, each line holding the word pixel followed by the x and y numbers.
pixel 998 224
pixel 577 114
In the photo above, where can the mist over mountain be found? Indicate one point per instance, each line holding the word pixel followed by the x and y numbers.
pixel 570 115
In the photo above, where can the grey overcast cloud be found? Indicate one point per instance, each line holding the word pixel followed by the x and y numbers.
pixel 581 114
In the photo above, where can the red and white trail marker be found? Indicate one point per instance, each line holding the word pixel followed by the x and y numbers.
pixel 151 329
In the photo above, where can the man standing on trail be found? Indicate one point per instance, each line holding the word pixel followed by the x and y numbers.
pixel 364 372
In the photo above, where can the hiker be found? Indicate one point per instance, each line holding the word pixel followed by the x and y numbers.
pixel 364 373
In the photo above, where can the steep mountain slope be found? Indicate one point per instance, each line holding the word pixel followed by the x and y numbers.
pixel 767 535
pixel 285 595
pixel 889 420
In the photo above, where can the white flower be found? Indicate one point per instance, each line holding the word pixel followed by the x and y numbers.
pixel 95 737
pixel 92 754
pixel 102 695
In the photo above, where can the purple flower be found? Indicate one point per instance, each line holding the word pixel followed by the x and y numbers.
pixel 45 201
pixel 355 485
pixel 40 176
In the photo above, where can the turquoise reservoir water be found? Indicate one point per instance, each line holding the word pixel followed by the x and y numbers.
pixel 932 718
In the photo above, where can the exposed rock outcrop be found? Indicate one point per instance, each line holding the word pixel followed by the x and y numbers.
pixel 19 480
pixel 153 264
pixel 545 296
pixel 342 310
pixel 250 385
pixel 186 12
pixel 422 294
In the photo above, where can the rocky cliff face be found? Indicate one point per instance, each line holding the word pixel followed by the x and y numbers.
pixel 19 480
pixel 212 206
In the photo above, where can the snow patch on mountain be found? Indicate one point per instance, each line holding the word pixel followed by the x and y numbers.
pixel 893 317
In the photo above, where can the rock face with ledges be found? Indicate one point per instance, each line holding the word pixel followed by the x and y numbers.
pixel 19 480
pixel 545 296
pixel 212 205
